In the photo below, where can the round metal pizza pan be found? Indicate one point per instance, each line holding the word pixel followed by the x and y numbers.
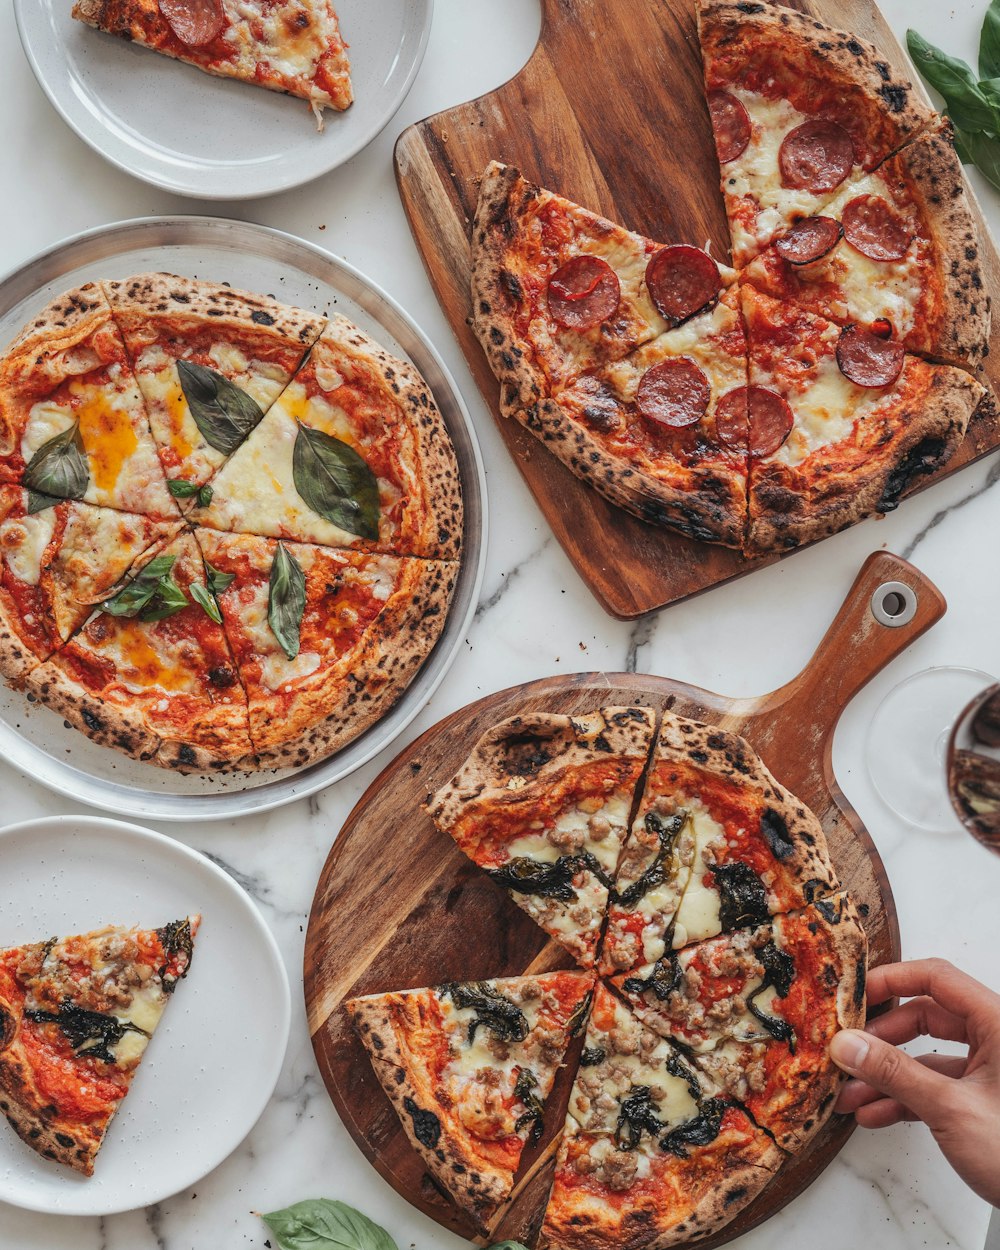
pixel 37 741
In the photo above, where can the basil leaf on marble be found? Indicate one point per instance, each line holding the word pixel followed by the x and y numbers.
pixel 989 43
pixel 323 1224
pixel 206 600
pixel 59 467
pixel 286 600
pixel 37 502
pixel 956 82
pixel 983 151
pixel 217 580
pixel 224 414
pixel 335 482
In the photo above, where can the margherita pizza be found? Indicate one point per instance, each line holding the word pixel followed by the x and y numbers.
pixel 76 1016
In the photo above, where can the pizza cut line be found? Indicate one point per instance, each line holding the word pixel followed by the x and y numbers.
pixel 641 365
pixel 230 529
pixel 719 952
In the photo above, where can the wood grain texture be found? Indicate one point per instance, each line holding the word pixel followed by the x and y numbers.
pixel 399 906
pixel 610 111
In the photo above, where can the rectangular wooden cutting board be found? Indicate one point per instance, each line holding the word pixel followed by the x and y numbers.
pixel 610 111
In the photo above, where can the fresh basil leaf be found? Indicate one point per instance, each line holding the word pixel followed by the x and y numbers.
pixel 59 467
pixel 990 87
pixel 286 600
pixel 37 502
pixel 983 151
pixel 132 598
pixel 181 488
pixel 956 82
pixel 205 496
pixel 168 600
pixel 989 43
pixel 224 414
pixel 217 580
pixel 335 482
pixel 322 1224
pixel 205 599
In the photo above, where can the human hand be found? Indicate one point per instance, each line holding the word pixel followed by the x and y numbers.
pixel 957 1097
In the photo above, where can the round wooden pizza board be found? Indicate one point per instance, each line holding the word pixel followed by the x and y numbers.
pixel 399 906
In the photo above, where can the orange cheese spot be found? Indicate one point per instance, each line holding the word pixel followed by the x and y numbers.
pixel 142 664
pixel 107 433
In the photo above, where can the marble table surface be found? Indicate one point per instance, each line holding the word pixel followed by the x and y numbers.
pixel 892 1187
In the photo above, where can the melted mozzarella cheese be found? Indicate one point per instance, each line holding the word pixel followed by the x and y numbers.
pixel 826 411
pixel 258 36
pixel 24 542
pixel 698 915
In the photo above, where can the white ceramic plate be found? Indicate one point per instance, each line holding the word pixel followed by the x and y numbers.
pixel 215 1058
pixel 36 740
pixel 194 134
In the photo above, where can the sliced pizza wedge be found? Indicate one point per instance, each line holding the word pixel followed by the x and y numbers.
pixel 209 361
pixel 151 672
pixel 757 1009
pixel 468 1068
pixel 653 1153
pixel 717 844
pixel 542 804
pixel 287 46
pixel 55 564
pixel 895 247
pixel 325 641
pixel 354 453
pixel 797 108
pixel 73 423
pixel 841 420
pixel 558 290
pixel 652 431
pixel 76 1016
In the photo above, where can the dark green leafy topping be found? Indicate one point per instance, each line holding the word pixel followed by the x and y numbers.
pixel 775 831
pixel 322 1224
pixel 744 899
pixel 206 600
pixel 636 1116
pixel 181 488
pixel 526 1083
pixel 335 482
pixel 528 876
pixel 177 941
pixel 579 1017
pixel 499 1015
pixel 700 1131
pixel 217 580
pixel 667 831
pixel 426 1125
pixel 223 413
pixel 37 502
pixel 592 1056
pixel 779 972
pixel 90 1033
pixel 59 467
pixel 662 981
pixel 152 595
pixel 286 600
pixel 676 1066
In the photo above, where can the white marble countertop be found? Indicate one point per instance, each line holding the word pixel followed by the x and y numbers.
pixel 892 1188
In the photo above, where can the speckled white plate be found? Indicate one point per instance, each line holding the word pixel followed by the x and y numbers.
pixel 216 1056
pixel 194 134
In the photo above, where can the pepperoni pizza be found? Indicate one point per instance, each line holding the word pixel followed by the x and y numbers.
pixel 644 367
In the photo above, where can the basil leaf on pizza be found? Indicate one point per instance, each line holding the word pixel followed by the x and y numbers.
pixel 335 482
pixel 206 600
pixel 217 580
pixel 224 414
pixel 168 599
pixel 324 1224
pixel 286 600
pixel 152 595
pixel 59 467
pixel 37 502
pixel 181 488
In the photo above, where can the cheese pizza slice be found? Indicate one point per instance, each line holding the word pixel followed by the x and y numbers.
pixel 841 420
pixel 76 1016
pixel 797 108
pixel 73 423
pixel 717 844
pixel 354 453
pixel 325 641
pixel 896 246
pixel 55 563
pixel 468 1068
pixel 209 361
pixel 558 290
pixel 757 1009
pixel 653 1154
pixel 542 804
pixel 151 672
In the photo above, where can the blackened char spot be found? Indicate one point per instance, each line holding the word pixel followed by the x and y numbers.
pixel 261 317
pixel 511 285
pixel 775 831
pixel 860 974
pixel 894 94
pixel 186 754
pixel 92 721
pixel 746 7
pixel 426 1125
pixel 919 460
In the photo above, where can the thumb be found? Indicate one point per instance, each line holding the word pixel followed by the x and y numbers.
pixel 891 1071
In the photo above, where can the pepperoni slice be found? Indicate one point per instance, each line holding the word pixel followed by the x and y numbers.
pixel 867 359
pixel 682 280
pixel 875 229
pixel 675 392
pixel 752 419
pixel 730 125
pixel 816 156
pixel 194 22
pixel 583 292
pixel 809 240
